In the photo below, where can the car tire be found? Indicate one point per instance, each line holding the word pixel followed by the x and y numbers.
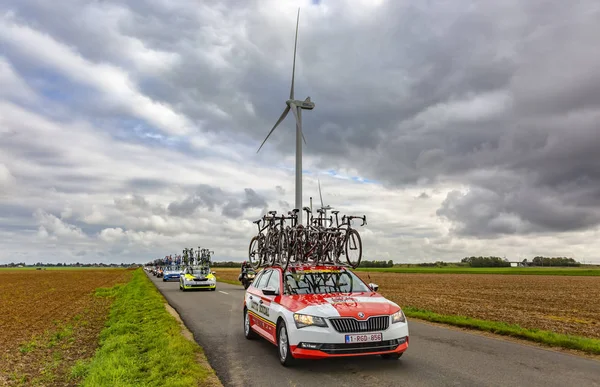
pixel 248 332
pixel 392 356
pixel 283 345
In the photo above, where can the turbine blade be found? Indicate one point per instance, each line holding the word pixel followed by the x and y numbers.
pixel 294 65
pixel 281 118
pixel 298 120
pixel 319 180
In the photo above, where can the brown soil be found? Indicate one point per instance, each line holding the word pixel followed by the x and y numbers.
pixel 54 319
pixel 562 304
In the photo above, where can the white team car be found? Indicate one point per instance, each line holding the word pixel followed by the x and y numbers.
pixel 316 312
pixel 197 277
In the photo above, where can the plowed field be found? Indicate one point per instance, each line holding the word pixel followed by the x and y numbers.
pixel 562 304
pixel 40 308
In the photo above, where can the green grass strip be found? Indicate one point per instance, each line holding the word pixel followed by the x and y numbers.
pixel 585 344
pixel 142 344
pixel 488 270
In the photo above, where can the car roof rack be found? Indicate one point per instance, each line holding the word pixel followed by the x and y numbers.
pixel 296 265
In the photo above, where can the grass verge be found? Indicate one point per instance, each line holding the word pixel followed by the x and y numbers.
pixel 585 344
pixel 562 271
pixel 142 344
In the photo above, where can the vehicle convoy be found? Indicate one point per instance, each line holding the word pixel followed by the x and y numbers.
pixel 197 277
pixel 316 312
pixel 247 275
pixel 172 272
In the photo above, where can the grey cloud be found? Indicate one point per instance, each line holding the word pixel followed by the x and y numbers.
pixel 235 208
pixel 205 196
pixel 136 204
pixel 208 197
pixel 280 190
pixel 500 96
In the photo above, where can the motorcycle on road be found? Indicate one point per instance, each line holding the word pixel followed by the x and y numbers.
pixel 246 278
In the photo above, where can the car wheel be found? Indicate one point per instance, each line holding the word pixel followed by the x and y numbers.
pixel 248 332
pixel 392 356
pixel 283 345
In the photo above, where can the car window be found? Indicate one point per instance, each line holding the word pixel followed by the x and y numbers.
pixel 274 280
pixel 320 282
pixel 262 281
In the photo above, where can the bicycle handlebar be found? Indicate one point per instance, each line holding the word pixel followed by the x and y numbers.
pixel 350 217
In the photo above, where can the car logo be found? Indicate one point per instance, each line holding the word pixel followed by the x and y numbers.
pixel 361 314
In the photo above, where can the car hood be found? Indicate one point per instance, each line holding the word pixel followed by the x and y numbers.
pixel 340 305
pixel 191 277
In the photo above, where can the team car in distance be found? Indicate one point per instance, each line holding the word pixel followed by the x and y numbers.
pixel 316 312
pixel 197 277
pixel 172 272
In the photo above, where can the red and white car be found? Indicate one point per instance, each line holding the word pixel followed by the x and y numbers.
pixel 316 312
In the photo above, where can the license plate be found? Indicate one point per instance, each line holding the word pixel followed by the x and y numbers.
pixel 364 338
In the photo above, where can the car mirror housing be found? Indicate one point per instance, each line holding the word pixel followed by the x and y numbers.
pixel 269 291
pixel 374 287
pixel 213 272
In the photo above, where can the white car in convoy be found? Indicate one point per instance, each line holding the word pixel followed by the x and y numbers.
pixel 316 312
pixel 197 277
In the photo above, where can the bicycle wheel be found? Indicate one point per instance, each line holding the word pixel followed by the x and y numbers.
pixel 254 254
pixel 271 248
pixel 299 245
pixel 353 246
pixel 284 251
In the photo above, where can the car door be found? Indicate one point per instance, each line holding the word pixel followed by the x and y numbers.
pixel 259 307
pixel 271 301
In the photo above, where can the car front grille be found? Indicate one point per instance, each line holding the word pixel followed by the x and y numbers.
pixel 379 346
pixel 352 325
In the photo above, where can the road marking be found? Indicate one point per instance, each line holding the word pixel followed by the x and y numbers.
pixel 220 291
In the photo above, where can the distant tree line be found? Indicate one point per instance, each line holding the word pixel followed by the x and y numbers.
pixel 365 263
pixel 554 261
pixel 485 262
pixel 225 264
pixel 61 264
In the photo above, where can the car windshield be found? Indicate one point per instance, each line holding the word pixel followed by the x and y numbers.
pixel 173 268
pixel 200 270
pixel 323 282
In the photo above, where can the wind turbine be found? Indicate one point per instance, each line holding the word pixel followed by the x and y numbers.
pixel 328 207
pixel 296 107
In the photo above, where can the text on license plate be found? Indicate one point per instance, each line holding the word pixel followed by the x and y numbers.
pixel 364 338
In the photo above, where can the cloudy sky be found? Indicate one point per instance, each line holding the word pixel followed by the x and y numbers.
pixel 128 132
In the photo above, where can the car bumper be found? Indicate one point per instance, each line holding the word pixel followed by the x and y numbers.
pixel 188 285
pixel 168 277
pixel 320 343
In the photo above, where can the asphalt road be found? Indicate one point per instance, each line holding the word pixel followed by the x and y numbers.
pixel 436 356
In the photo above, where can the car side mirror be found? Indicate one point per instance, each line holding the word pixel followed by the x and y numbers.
pixel 269 291
pixel 213 272
pixel 374 287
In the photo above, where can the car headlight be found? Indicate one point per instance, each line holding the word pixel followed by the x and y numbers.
pixel 398 317
pixel 305 320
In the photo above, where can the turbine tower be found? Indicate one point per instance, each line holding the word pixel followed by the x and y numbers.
pixel 296 107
